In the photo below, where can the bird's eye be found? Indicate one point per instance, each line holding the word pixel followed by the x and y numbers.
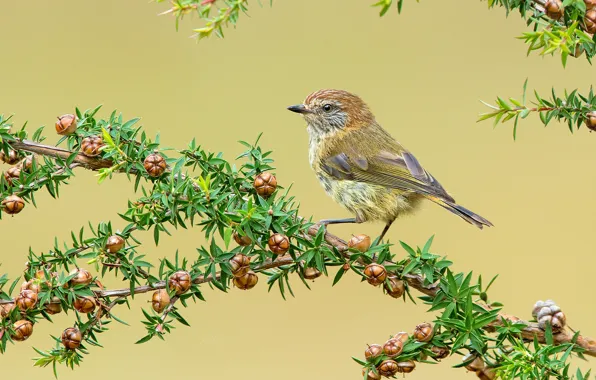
pixel 327 107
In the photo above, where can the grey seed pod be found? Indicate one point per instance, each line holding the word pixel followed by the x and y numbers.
pixel 545 311
pixel 554 309
pixel 561 317
pixel 543 321
pixel 549 303
pixel 537 306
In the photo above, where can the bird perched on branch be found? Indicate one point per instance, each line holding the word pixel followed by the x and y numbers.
pixel 363 168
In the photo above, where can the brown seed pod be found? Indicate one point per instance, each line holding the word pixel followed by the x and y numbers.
pixel 311 273
pixel 84 304
pixel 388 368
pixel 22 330
pixel 82 277
pixel 66 124
pixel 26 300
pixel 373 351
pixel 477 364
pixel 403 336
pixel 590 4
pixel 27 163
pixel 240 265
pixel 114 244
pixel 179 282
pixel 393 347
pixel 155 164
pixel 395 288
pixel 590 21
pixel 553 9
pixel 558 322
pixel 371 375
pixel 406 367
pixel 11 158
pixel 71 338
pixel 487 373
pixel 423 332
pixel 360 242
pixel 90 146
pixel 13 173
pixel 375 274
pixel 241 240
pixel 6 309
pixel 246 282
pixel 31 285
pixel 591 119
pixel 439 352
pixel 265 184
pixel 279 244
pixel 160 300
pixel 54 307
pixel 13 204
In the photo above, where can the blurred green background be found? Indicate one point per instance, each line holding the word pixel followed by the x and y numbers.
pixel 422 73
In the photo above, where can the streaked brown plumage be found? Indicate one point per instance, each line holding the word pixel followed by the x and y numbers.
pixel 362 167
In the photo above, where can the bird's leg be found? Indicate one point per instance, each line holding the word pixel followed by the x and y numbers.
pixel 326 222
pixel 385 230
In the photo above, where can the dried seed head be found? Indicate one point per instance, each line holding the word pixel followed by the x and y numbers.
pixel 13 173
pixel 155 164
pixel 66 124
pixel 406 367
pixel 81 277
pixel 71 338
pixel 439 352
pixel 241 240
pixel 240 265
pixel 402 335
pixel 265 184
pixel 13 204
pixel 22 330
pixel 6 309
pixel 26 300
pixel 371 375
pixel 311 273
pixel 11 158
pixel 246 282
pixel 553 9
pixel 373 351
pixel 388 368
pixel 360 242
pixel 279 244
pixel 423 332
pixel 84 304
pixel 54 307
pixel 590 21
pixel 180 282
pixel 375 274
pixel 31 285
pixel 395 288
pixel 114 244
pixel 487 373
pixel 591 119
pixel 90 146
pixel 160 300
pixel 476 364
pixel 393 347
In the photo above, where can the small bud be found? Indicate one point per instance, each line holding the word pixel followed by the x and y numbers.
pixel 6 309
pixel 402 336
pixel 160 300
pixel 360 242
pixel 439 352
pixel 265 184
pixel 311 273
pixel 279 244
pixel 13 204
pixel 475 364
pixel 553 9
pixel 393 347
pixel 180 282
pixel 373 351
pixel 11 158
pixel 82 277
pixel 240 265
pixel 114 244
pixel 242 241
pixel 13 173
pixel 26 300
pixel 71 338
pixel 54 307
pixel 388 368
pixel 372 375
pixel 395 288
pixel 155 164
pixel 423 332
pixel 346 267
pixel 246 282
pixel 22 330
pixel 66 124
pixel 406 367
pixel 375 274
pixel 84 304
pixel 90 146
pixel 590 21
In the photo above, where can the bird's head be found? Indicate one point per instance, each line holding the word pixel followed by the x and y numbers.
pixel 329 111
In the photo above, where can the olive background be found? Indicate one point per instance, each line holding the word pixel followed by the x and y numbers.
pixel 422 72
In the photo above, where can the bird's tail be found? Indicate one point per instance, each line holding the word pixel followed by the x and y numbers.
pixel 462 212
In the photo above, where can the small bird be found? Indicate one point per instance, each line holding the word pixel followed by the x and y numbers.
pixel 363 168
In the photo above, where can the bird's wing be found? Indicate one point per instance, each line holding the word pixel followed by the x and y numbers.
pixel 389 165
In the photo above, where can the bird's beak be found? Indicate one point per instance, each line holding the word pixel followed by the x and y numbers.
pixel 299 108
